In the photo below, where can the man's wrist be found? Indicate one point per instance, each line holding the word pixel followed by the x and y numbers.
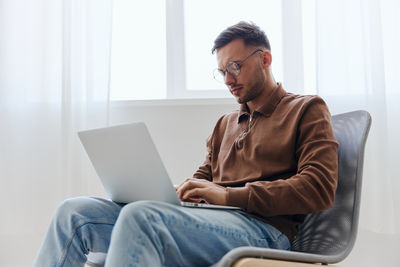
pixel 237 197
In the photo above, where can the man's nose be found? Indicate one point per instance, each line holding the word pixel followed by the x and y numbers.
pixel 229 79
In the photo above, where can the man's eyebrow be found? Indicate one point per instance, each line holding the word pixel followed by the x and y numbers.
pixel 234 61
pixel 222 69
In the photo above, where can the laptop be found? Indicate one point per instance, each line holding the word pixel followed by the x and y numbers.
pixel 130 167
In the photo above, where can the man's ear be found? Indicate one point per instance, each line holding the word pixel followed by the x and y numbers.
pixel 267 58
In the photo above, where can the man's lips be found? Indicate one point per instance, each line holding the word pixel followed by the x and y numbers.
pixel 236 90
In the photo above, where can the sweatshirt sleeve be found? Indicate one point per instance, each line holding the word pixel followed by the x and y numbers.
pixel 312 188
pixel 204 170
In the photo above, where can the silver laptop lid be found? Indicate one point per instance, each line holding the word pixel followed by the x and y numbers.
pixel 128 164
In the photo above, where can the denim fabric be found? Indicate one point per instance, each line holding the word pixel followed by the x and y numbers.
pixel 149 233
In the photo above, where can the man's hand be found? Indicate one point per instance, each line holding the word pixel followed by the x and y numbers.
pixel 196 190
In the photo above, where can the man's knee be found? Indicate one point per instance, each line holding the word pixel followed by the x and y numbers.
pixel 78 209
pixel 72 206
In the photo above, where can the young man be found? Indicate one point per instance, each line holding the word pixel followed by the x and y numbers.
pixel 276 158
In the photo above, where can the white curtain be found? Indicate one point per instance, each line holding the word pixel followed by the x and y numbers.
pixel 54 81
pixel 347 51
pixel 358 67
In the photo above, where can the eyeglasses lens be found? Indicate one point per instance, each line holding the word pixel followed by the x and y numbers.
pixel 233 69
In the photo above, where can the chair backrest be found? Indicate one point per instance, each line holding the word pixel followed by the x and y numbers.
pixel 333 232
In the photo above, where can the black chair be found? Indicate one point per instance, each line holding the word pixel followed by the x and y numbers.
pixel 326 237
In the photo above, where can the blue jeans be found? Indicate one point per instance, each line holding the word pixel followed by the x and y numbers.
pixel 149 233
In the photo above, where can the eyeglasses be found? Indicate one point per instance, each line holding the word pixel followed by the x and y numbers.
pixel 233 68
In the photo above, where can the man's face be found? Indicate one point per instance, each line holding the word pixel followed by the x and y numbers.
pixel 251 80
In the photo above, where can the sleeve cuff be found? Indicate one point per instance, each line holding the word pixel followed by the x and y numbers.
pixel 238 197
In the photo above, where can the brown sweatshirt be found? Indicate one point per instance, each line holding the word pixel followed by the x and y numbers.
pixel 278 163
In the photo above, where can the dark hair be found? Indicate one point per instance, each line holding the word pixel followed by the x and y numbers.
pixel 249 32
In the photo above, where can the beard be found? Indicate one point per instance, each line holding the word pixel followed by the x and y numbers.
pixel 254 89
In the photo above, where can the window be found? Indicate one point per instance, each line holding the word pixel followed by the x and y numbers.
pixel 205 19
pixel 162 48
pixel 138 56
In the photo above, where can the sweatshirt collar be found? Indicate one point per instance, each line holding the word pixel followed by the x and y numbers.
pixel 269 106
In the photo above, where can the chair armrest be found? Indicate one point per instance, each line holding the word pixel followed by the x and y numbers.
pixel 235 254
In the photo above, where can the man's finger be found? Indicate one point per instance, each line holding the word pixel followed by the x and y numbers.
pixel 197 193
